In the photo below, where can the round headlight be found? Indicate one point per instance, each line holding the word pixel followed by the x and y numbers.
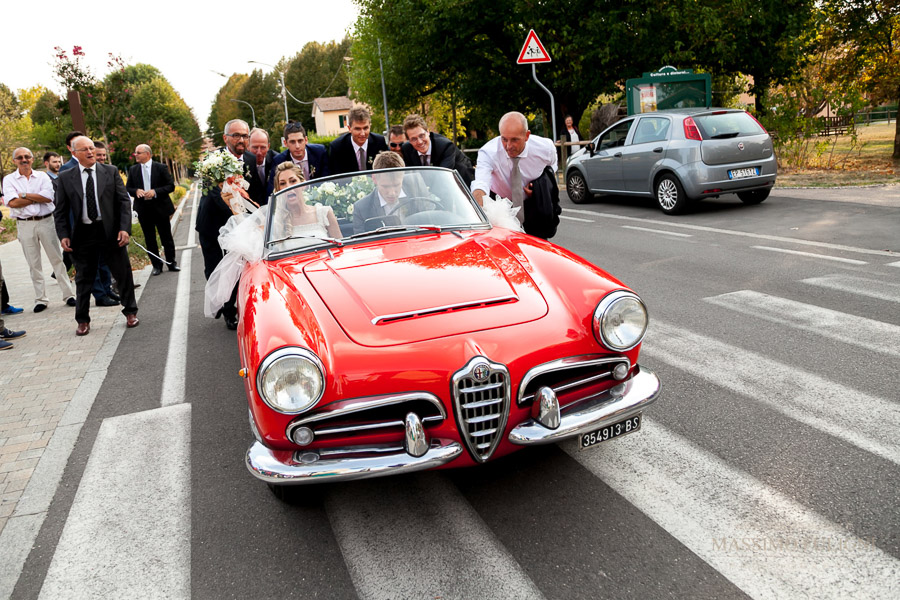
pixel 291 380
pixel 620 321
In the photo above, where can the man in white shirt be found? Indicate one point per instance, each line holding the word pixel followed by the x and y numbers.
pixel 29 195
pixel 509 163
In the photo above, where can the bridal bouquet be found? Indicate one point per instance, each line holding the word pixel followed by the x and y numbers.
pixel 223 167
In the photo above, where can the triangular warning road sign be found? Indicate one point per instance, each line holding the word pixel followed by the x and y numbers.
pixel 533 51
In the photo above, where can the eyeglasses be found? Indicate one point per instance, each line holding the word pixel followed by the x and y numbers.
pixel 294 126
pixel 239 136
pixel 396 144
pixel 23 157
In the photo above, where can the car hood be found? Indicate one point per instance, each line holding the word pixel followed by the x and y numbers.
pixel 415 289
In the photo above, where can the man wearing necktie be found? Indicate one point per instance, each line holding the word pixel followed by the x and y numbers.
pixel 427 149
pixel 259 161
pixel 93 219
pixel 355 150
pixel 311 158
pixel 507 165
pixel 150 183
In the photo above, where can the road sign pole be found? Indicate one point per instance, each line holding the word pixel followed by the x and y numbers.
pixel 552 101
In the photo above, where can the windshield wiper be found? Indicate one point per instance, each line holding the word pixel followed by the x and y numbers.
pixel 723 136
pixel 396 228
pixel 334 241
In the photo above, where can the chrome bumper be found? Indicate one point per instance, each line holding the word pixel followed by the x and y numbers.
pixel 313 468
pixel 620 402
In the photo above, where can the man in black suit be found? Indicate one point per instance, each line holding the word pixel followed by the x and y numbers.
pixel 392 191
pixel 311 158
pixel 355 150
pixel 259 161
pixel 150 183
pixel 214 212
pixel 93 219
pixel 433 149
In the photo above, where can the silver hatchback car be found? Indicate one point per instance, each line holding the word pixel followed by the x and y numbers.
pixel 677 156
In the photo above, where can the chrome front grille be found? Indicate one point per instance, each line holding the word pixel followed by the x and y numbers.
pixel 481 396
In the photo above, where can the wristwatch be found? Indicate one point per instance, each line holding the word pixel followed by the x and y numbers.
pixel 22 195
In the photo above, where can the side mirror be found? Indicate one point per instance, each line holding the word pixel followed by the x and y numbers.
pixel 590 148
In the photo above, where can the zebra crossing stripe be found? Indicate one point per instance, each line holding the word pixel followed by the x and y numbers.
pixel 845 328
pixel 835 409
pixel 861 286
pixel 850 261
pixel 402 542
pixel 762 541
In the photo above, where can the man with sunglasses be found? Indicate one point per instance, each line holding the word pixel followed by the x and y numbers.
pixel 396 137
pixel 355 150
pixel 311 158
pixel 29 195
pixel 214 212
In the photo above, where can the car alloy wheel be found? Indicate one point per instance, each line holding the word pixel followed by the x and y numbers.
pixel 670 195
pixel 577 188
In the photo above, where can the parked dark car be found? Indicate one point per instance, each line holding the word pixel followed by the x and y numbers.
pixel 677 156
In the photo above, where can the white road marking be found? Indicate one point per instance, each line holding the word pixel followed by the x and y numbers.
pixel 812 255
pixel 764 542
pixel 837 410
pixel 406 541
pixel 176 359
pixel 894 264
pixel 861 286
pixel 128 533
pixel 576 219
pixel 759 236
pixel 845 328
pixel 656 231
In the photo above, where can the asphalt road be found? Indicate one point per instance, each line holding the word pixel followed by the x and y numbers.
pixel 768 468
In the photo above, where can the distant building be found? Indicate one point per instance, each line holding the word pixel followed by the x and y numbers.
pixel 331 114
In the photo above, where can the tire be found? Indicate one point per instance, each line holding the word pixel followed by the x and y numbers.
pixel 754 196
pixel 297 495
pixel 670 195
pixel 577 189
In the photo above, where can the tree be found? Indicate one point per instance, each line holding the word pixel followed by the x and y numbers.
pixel 223 110
pixel 869 31
pixel 15 128
pixel 317 71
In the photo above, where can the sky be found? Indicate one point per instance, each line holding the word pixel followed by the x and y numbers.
pixel 188 41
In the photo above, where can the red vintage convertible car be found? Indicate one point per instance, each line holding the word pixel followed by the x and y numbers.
pixel 425 338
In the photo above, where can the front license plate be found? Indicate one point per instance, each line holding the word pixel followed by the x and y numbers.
pixel 612 431
pixel 742 173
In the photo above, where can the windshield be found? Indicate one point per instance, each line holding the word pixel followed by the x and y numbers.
pixel 360 206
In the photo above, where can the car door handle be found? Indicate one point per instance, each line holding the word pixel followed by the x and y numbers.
pixel 658 149
pixel 618 155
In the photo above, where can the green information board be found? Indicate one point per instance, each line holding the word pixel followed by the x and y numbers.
pixel 668 88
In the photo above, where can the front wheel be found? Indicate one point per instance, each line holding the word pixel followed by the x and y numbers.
pixel 670 195
pixel 577 188
pixel 753 196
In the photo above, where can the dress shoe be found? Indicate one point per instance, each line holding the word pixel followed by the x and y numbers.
pixel 11 310
pixel 83 329
pixel 174 267
pixel 106 301
pixel 156 271
pixel 40 307
pixel 137 285
pixel 5 345
pixel 113 295
pixel 8 334
pixel 70 301
pixel 131 321
pixel 231 323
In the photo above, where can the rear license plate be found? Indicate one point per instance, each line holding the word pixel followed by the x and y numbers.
pixel 742 173
pixel 611 431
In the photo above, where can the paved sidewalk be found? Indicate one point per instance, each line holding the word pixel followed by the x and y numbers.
pixel 41 373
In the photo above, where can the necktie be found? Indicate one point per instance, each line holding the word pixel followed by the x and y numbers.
pixel 90 197
pixel 261 171
pixel 424 160
pixel 305 166
pixel 517 194
pixel 146 168
pixel 361 159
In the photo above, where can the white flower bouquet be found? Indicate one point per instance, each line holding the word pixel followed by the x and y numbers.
pixel 221 167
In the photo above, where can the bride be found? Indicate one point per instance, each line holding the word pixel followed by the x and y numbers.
pixel 302 220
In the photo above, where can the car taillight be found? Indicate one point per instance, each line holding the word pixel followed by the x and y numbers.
pixel 690 130
pixel 758 123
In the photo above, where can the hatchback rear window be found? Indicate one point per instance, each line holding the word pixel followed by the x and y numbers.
pixel 727 125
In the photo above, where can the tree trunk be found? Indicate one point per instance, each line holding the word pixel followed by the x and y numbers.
pixel 896 155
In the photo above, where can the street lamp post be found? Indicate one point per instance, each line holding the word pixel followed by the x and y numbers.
pixel 387 125
pixel 252 112
pixel 283 88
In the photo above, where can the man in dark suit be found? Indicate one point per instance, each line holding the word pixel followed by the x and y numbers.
pixel 259 161
pixel 391 192
pixel 432 149
pixel 150 183
pixel 311 158
pixel 93 219
pixel 355 150
pixel 214 212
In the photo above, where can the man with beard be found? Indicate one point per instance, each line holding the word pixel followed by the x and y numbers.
pixel 214 212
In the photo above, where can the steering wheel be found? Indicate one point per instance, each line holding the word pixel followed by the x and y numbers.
pixel 410 199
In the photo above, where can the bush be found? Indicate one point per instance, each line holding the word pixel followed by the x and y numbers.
pixel 325 140
pixel 178 194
